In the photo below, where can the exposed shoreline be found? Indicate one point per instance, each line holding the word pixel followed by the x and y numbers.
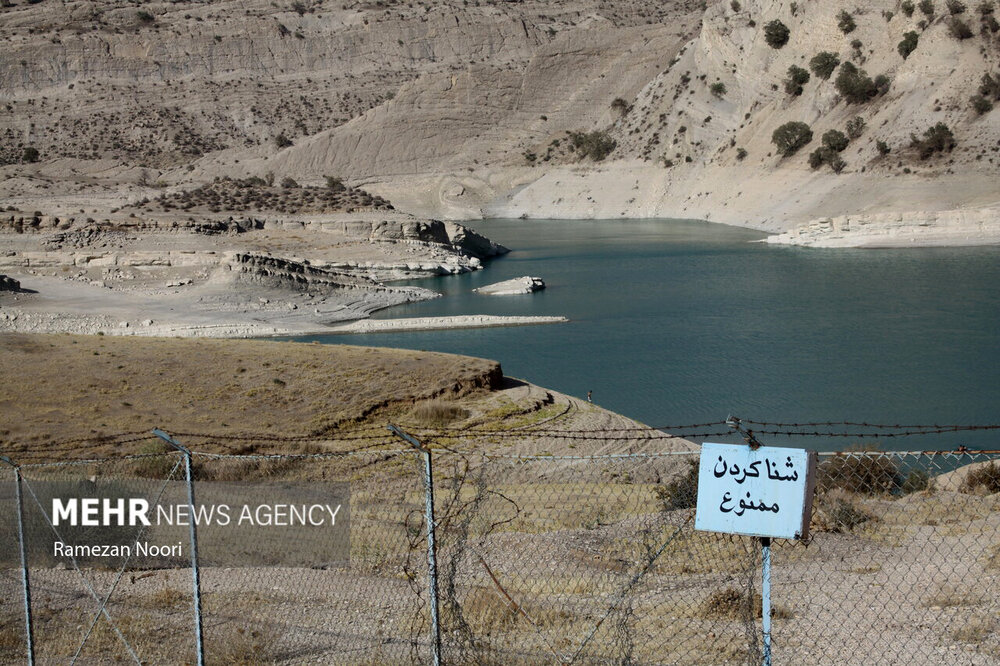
pixel 439 323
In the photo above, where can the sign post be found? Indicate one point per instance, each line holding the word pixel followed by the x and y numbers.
pixel 765 492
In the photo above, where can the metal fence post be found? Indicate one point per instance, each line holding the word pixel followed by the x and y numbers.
pixel 195 574
pixel 29 635
pixel 432 581
pixel 765 594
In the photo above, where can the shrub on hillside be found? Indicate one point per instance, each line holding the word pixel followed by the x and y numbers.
pixel 282 141
pixel 959 29
pixel 855 126
pixel 907 7
pixel 989 87
pixel 955 7
pixel 776 34
pixel 835 140
pixel 882 147
pixel 596 145
pixel 908 45
pixel 846 22
pixel 866 473
pixel 791 136
pixel 797 77
pixel 856 86
pixel 825 155
pixel 718 89
pixel 927 7
pixel 621 107
pixel 936 139
pixel 30 154
pixel 980 104
pixel 986 477
pixel 823 64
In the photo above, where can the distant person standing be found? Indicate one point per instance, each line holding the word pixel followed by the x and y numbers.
pixel 589 395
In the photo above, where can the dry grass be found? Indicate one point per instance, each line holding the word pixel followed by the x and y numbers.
pixel 952 597
pixel 437 414
pixel 89 386
pixel 975 630
pixel 732 604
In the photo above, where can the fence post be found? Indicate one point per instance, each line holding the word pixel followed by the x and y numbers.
pixel 195 574
pixel 432 581
pixel 29 636
pixel 765 594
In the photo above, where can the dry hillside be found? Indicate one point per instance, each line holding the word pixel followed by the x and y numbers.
pixel 460 109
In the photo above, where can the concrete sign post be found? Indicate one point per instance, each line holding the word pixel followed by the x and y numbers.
pixel 764 492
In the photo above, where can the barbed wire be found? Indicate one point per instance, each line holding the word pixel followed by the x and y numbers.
pixel 864 424
pixel 378 439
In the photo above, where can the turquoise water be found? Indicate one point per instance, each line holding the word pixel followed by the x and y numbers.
pixel 677 322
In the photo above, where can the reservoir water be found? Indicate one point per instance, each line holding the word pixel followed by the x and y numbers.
pixel 677 321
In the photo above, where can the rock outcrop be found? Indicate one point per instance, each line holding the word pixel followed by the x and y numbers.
pixel 9 284
pixel 520 285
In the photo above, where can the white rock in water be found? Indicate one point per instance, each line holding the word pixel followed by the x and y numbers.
pixel 521 285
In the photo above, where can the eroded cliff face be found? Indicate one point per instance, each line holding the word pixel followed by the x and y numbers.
pixel 458 110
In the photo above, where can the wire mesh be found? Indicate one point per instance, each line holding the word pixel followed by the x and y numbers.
pixel 12 634
pixel 585 559
pixel 314 594
pixel 95 597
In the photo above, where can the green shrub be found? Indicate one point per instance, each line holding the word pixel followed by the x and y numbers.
pixel 145 17
pixel 882 84
pixel 936 139
pixel 855 127
pixel 828 156
pixel 791 136
pixel 741 153
pixel 857 472
pixel 846 22
pixel 835 140
pixel 986 477
pixel 908 45
pixel 596 145
pixel 856 86
pixel 980 104
pixel 836 163
pixel 335 184
pixel 959 29
pixel 817 158
pixel 30 154
pixel 823 64
pixel 882 147
pixel 282 141
pixel 797 77
pixel 288 182
pixel 718 89
pixel 989 87
pixel 955 7
pixel 927 7
pixel 621 107
pixel 735 4
pixel 917 480
pixel 907 7
pixel 776 34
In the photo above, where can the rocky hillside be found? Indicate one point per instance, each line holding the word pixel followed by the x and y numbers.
pixel 569 108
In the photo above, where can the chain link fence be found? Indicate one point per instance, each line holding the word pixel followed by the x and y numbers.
pixel 540 559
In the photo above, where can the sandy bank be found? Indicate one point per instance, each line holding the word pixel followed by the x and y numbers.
pixel 911 229
pixel 439 323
